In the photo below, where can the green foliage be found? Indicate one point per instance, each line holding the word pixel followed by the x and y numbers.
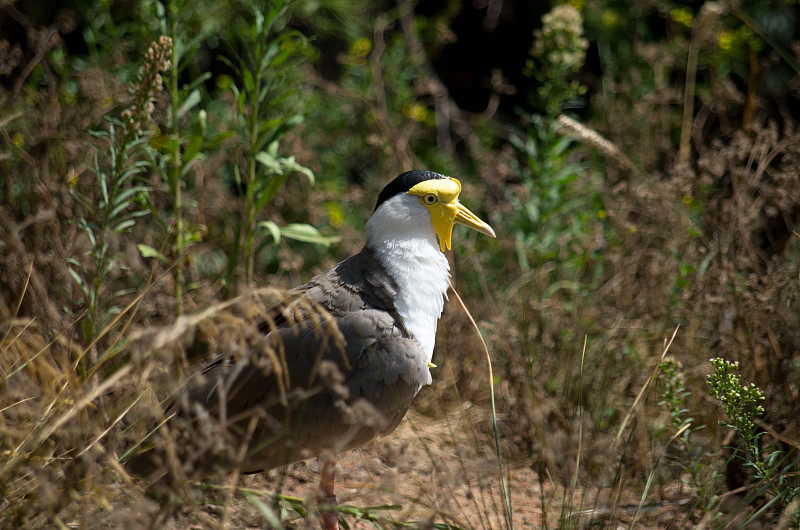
pixel 263 120
pixel 389 116
pixel 109 32
pixel 690 457
pixel 177 150
pixel 674 395
pixel 122 194
pixel 114 213
pixel 558 53
pixel 296 231
pixel 554 218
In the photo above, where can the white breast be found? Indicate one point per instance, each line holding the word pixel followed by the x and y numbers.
pixel 401 234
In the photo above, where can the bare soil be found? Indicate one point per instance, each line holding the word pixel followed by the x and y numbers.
pixel 435 472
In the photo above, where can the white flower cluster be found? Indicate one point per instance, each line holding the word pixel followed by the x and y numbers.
pixel 560 44
pixel 740 400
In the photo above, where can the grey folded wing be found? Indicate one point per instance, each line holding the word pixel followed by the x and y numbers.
pixel 320 384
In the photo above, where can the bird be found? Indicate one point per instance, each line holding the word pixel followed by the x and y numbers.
pixel 339 360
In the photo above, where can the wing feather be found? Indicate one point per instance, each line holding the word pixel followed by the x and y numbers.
pixel 350 379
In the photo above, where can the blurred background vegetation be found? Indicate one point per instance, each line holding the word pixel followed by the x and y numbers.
pixel 640 162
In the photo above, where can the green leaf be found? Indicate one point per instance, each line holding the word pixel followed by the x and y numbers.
pixel 160 143
pixel 289 164
pixel 130 191
pixel 276 10
pixel 247 79
pixel 270 161
pixel 272 228
pixel 269 514
pixel 149 252
pixel 218 139
pixel 101 178
pixel 123 226
pixel 84 225
pixel 116 211
pixel 124 292
pixel 268 125
pixel 227 62
pixel 110 312
pixel 197 81
pixel 271 189
pixel 240 99
pixel 281 57
pixel 308 234
pixel 278 131
pixel 191 100
pixel 75 276
pixel 75 263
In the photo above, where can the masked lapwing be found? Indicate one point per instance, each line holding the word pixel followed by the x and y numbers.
pixel 351 348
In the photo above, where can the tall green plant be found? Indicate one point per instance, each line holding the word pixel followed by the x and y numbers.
pixel 179 102
pixel 558 53
pixel 263 119
pixel 177 148
pixel 184 138
pixel 110 215
pixel 688 456
pixel 117 162
pixel 549 210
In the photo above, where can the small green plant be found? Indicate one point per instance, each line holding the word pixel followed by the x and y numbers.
pixel 553 219
pixel 118 206
pixel 558 53
pixel 674 396
pixel 741 401
pixel 674 393
pixel 772 472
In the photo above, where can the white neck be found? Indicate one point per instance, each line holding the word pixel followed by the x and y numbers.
pixel 402 237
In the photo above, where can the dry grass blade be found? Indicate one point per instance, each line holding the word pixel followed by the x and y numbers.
pixel 19 304
pixel 70 413
pixel 213 432
pixel 42 350
pixel 112 425
pixel 7 345
pixel 646 387
pixel 16 403
pixel 580 425
pixel 653 472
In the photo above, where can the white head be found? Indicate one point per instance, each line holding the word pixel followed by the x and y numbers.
pixel 420 205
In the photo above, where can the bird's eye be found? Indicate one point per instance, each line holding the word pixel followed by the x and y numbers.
pixel 429 199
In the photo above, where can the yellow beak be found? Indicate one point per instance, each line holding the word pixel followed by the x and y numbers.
pixel 445 215
pixel 467 218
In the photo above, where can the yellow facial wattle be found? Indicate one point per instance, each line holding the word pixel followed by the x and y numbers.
pixel 440 196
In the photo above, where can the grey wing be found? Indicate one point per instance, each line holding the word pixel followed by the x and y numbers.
pixel 316 386
pixel 390 371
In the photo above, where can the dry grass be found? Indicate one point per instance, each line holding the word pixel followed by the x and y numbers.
pixel 708 246
pixel 68 438
pixel 578 446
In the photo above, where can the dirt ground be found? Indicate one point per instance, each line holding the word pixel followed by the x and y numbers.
pixel 435 472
